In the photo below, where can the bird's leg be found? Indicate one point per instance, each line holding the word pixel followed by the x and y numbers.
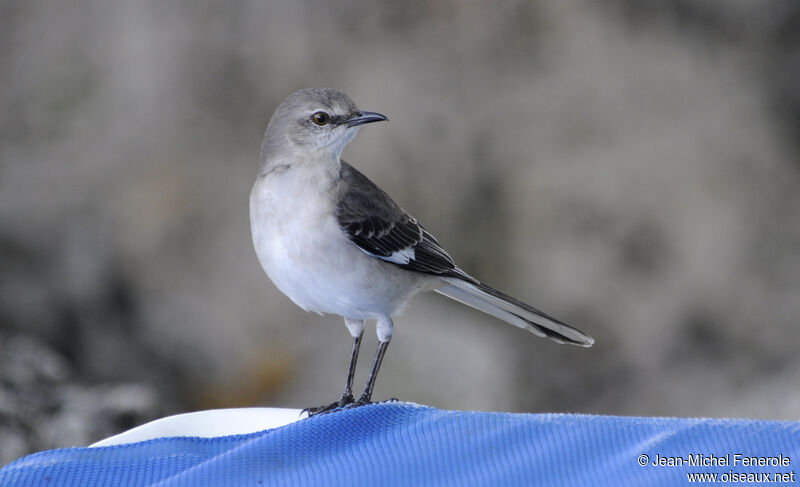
pixel 356 328
pixel 384 328
pixel 366 397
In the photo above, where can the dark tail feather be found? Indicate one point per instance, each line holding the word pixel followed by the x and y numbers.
pixel 513 311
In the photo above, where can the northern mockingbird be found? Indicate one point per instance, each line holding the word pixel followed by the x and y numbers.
pixel 334 242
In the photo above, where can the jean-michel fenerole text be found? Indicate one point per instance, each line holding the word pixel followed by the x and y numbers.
pixel 727 460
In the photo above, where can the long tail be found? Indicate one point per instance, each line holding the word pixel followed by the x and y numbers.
pixel 510 310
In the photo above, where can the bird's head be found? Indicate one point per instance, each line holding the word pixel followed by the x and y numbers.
pixel 316 120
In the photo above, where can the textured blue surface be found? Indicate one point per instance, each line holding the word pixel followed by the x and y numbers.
pixel 401 444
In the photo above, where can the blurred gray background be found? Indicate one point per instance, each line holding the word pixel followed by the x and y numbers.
pixel 631 167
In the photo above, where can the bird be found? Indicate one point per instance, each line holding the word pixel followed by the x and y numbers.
pixel 335 243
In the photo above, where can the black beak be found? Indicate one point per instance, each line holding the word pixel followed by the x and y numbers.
pixel 365 117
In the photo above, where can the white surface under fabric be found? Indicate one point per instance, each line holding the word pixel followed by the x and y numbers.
pixel 207 424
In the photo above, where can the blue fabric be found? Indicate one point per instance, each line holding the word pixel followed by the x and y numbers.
pixel 402 444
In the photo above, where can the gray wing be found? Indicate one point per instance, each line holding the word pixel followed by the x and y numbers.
pixel 380 228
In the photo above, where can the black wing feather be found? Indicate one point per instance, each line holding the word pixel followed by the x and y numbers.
pixel 379 227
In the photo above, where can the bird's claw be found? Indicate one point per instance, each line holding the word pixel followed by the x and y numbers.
pixel 345 401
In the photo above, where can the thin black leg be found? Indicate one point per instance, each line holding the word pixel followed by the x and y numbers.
pixel 347 396
pixel 366 397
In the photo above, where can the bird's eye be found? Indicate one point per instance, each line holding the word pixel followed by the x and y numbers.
pixel 321 118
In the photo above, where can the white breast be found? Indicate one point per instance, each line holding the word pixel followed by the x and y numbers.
pixel 309 258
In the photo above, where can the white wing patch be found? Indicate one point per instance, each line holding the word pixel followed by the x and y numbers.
pixel 401 256
pixel 398 257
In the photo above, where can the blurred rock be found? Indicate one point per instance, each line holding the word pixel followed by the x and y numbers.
pixel 43 405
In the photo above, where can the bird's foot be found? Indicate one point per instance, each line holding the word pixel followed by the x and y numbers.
pixel 345 401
